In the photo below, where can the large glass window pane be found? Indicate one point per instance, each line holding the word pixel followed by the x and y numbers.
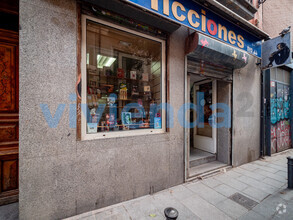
pixel 124 80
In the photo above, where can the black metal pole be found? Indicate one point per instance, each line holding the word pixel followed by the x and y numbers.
pixel 171 213
pixel 290 172
pixel 262 121
pixel 267 128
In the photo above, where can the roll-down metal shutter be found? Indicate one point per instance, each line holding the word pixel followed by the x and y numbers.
pixel 209 70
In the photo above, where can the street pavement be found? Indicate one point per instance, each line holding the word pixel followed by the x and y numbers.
pixel 253 191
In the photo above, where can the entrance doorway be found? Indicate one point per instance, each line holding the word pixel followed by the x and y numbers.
pixel 204 134
pixel 208 147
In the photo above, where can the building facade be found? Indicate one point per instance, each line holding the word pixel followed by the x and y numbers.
pixel 119 99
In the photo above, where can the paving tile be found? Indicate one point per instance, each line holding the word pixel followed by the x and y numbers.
pixel 180 192
pixel 206 193
pixel 282 174
pixel 232 182
pixel 91 217
pixel 268 169
pixel 116 213
pixel 286 213
pixel 274 176
pixel 268 206
pixel 223 177
pixel 237 184
pixel 204 209
pixel 251 215
pixel 225 190
pixel 257 184
pixel 278 167
pixel 259 162
pixel 231 208
pixel 273 182
pixel 249 166
pixel 142 209
pixel 233 174
pixel 257 194
pixel 253 175
pixel 211 182
pixel 280 163
pixel 286 194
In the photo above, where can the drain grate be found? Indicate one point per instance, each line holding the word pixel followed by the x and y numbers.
pixel 243 200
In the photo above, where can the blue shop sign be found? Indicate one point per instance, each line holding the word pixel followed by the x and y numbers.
pixel 195 16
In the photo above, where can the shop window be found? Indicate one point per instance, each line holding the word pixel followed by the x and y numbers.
pixel 124 77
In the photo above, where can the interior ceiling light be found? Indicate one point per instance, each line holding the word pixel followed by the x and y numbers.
pixel 105 61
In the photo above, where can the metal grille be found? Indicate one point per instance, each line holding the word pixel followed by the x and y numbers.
pixel 243 200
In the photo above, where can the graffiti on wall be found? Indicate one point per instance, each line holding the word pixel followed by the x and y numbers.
pixel 280 117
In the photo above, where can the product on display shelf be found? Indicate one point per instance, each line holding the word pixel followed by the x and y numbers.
pixel 98 91
pixel 146 88
pixel 92 71
pixel 94 119
pixel 145 77
pixel 95 100
pixel 123 91
pixel 93 111
pixel 133 74
pixel 89 101
pixel 147 92
pixel 111 100
pixel 123 94
pixel 134 91
pixel 103 125
pixel 108 88
pixel 108 72
pixel 139 101
pixel 120 73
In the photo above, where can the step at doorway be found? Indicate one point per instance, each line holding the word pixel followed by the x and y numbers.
pixel 198 157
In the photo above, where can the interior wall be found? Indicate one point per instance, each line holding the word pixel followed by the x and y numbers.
pixel 246 113
pixel 224 133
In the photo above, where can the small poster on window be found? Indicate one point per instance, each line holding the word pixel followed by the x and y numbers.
pixel 158 123
pixel 126 118
pixel 133 74
pixel 120 73
pixel 92 128
pixel 145 77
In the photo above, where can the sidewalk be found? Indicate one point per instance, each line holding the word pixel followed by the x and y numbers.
pixel 252 191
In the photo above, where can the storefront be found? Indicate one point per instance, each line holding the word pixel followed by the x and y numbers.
pixel 137 68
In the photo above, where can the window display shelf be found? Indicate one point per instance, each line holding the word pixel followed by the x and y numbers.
pixel 115 77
